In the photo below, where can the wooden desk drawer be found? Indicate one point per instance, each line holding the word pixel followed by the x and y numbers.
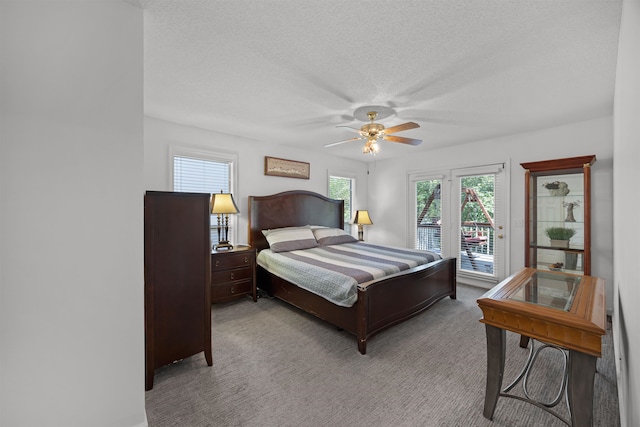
pixel 231 275
pixel 231 261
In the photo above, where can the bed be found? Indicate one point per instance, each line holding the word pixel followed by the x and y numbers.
pixel 379 304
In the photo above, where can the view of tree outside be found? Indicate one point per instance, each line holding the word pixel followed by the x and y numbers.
pixel 484 187
pixel 477 195
pixel 341 188
pixel 474 245
pixel 424 190
pixel 429 210
pixel 428 215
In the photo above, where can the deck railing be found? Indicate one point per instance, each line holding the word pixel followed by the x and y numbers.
pixel 429 237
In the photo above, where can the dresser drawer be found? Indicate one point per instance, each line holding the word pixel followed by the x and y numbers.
pixel 230 290
pixel 231 275
pixel 231 260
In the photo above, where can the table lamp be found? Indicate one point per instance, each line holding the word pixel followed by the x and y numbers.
pixel 223 204
pixel 362 218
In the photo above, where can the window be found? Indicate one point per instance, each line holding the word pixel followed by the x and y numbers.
pixel 428 204
pixel 343 188
pixel 195 171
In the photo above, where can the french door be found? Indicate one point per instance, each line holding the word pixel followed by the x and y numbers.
pixel 461 213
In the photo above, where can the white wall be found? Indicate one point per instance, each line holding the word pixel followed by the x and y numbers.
pixel 160 135
pixel 71 246
pixel 626 207
pixel 388 181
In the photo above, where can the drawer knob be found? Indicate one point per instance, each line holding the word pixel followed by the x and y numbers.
pixel 217 263
pixel 232 277
pixel 246 259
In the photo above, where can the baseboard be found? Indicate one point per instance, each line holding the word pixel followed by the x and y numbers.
pixel 145 423
pixel 473 281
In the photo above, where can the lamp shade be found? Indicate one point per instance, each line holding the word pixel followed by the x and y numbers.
pixel 362 218
pixel 223 203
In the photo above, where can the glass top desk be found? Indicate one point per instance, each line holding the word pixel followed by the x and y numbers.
pixel 565 310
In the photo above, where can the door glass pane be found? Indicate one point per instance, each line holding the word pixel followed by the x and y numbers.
pixel 429 215
pixel 477 200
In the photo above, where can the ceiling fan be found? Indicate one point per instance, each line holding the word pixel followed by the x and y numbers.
pixel 372 132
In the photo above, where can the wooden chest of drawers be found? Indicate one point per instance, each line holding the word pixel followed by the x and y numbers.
pixel 233 274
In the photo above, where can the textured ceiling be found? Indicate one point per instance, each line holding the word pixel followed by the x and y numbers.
pixel 290 71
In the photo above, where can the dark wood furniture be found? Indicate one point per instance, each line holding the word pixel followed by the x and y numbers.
pixel 177 301
pixel 233 274
pixel 552 189
pixel 380 304
pixel 565 310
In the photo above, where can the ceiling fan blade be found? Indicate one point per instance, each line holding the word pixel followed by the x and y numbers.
pixel 398 128
pixel 340 142
pixel 402 139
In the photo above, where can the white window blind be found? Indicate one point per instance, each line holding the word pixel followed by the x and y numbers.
pixel 200 175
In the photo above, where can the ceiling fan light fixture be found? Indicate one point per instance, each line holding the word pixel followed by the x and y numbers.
pixel 371 147
pixel 372 130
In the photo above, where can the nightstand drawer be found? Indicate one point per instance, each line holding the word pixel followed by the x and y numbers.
pixel 236 274
pixel 219 293
pixel 232 260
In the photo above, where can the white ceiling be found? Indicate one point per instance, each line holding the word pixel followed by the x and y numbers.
pixel 290 71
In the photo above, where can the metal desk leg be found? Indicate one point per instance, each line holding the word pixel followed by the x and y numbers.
pixel 496 349
pixel 582 370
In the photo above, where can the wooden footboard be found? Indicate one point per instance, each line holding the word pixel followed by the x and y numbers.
pixel 380 303
pixel 396 298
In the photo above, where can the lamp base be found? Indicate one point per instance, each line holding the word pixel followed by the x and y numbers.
pixel 223 245
pixel 360 233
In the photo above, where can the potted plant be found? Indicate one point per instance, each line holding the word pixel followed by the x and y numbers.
pixel 560 236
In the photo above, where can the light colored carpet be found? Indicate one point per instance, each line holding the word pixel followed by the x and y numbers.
pixel 274 365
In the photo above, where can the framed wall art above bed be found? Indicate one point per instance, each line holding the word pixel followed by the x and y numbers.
pixel 287 168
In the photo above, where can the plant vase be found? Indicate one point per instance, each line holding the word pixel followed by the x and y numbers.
pixel 559 243
pixel 560 236
pixel 571 260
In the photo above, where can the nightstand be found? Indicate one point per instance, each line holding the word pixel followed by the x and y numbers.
pixel 233 274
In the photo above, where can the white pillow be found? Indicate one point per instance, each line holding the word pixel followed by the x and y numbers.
pixel 290 238
pixel 332 236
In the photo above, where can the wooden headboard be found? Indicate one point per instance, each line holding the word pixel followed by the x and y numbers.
pixel 291 209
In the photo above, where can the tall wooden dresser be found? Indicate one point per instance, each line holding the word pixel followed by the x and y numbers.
pixel 177 273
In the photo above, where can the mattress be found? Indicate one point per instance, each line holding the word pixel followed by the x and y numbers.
pixel 335 272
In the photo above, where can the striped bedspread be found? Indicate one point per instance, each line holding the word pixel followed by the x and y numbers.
pixel 334 272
